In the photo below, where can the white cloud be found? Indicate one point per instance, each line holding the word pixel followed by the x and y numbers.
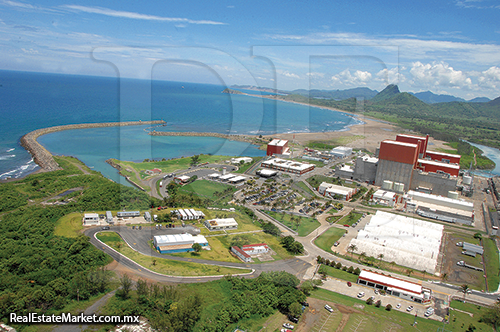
pixel 315 75
pixel 136 16
pixel 358 78
pixel 286 73
pixel 490 78
pixel 390 76
pixel 438 74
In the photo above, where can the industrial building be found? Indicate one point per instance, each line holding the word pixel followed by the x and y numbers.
pixel 289 166
pixel 189 214
pixel 278 147
pixel 173 243
pixel 153 171
pixel 394 286
pixel 221 224
pixel 344 171
pixel 91 219
pixel 128 214
pixel 440 208
pixel 335 191
pixel 407 241
pixel 365 169
pixel 341 151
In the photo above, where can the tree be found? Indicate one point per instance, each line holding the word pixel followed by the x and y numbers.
pixel 295 309
pixel 444 277
pixel 380 257
pixel 378 303
pixel 409 272
pixel 388 307
pixel 362 256
pixel 492 315
pixel 369 301
pixel 126 285
pixel 357 271
pixel 465 289
pixel 307 287
pixel 352 248
pixel 197 247
pixel 478 236
pixel 195 159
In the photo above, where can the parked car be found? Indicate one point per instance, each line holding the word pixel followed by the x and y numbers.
pixel 336 244
pixel 376 291
pixel 361 294
pixel 349 284
pixel 327 307
pixel 305 304
pixel 398 305
pixel 429 312
pixel 105 228
pixel 288 326
pixel 410 308
pixel 346 225
pixel 293 319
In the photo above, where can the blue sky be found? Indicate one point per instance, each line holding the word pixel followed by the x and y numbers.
pixel 448 47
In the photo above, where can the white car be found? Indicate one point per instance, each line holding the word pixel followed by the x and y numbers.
pixel 398 305
pixel 288 326
pixel 410 308
pixel 361 294
pixel 429 312
pixel 327 307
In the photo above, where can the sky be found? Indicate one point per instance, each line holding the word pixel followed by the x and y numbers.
pixel 447 47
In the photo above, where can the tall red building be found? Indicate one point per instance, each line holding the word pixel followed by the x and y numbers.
pixel 278 147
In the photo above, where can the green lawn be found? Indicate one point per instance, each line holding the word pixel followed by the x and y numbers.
pixel 339 273
pixel 460 321
pixel 492 265
pixel 207 188
pixel 317 163
pixel 304 187
pixel 333 219
pixel 350 219
pixel 326 240
pixel 306 225
pixel 70 225
pixel 377 319
pixel 165 266
pixel 245 167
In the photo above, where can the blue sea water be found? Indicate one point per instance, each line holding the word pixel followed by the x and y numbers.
pixel 30 101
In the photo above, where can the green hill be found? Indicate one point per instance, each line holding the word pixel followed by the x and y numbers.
pixel 387 93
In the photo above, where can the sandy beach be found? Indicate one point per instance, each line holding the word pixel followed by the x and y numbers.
pixel 367 135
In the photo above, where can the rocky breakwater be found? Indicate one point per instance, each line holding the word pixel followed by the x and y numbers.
pixel 44 158
pixel 242 138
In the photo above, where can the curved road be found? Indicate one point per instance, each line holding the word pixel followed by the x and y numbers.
pixel 294 266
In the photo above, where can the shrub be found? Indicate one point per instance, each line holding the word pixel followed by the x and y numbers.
pixel 350 269
pixel 338 265
pixel 378 303
pixel 344 268
pixel 388 307
pixel 357 271
pixel 369 301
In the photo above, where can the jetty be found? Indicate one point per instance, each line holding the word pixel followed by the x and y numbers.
pixel 241 138
pixel 43 158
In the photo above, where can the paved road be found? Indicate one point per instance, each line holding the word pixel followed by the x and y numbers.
pixel 294 266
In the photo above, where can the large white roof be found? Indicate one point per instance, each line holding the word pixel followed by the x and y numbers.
pixel 227 176
pixel 383 194
pixel 400 143
pixel 289 164
pixel 418 196
pixel 392 282
pixel 438 163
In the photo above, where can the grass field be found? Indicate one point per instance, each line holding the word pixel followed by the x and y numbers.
pixel 306 225
pixel 70 225
pixel 376 319
pixel 350 219
pixel 243 169
pixel 460 321
pixel 169 166
pixel 326 240
pixel 304 187
pixel 339 273
pixel 165 266
pixel 492 265
pixel 206 188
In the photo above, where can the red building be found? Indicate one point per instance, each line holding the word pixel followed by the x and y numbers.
pixel 415 140
pixel 438 167
pixel 401 152
pixel 443 157
pixel 278 147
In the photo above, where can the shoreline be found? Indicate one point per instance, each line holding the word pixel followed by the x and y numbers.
pixel 43 158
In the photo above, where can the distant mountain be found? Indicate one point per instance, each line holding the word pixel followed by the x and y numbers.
pixel 494 102
pixel 337 94
pixel 432 98
pixel 479 100
pixel 389 91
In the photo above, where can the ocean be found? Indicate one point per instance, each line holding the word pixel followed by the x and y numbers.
pixel 31 101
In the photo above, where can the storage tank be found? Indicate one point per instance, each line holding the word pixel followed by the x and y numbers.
pixel 467 179
pixel 452 194
pixel 399 187
pixel 387 185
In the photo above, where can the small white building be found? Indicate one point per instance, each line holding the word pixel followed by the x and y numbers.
pixel 226 177
pixel 266 173
pixel 341 151
pixel 241 254
pixel 238 161
pixel 109 217
pixel 289 166
pixel 237 179
pixel 384 197
pixel 221 224
pixel 255 249
pixel 90 219
pixel 183 179
pixel 331 190
pixel 173 243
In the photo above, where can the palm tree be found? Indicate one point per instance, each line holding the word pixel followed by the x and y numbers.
pixel 465 289
pixel 362 256
pixel 380 257
pixel 409 272
pixel 352 248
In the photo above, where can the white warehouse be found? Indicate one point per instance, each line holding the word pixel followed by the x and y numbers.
pixel 407 241
pixel 330 190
